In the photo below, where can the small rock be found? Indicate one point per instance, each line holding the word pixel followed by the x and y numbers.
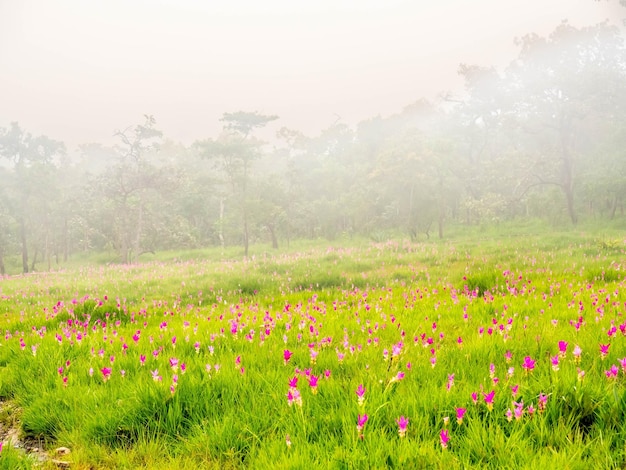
pixel 62 451
pixel 60 463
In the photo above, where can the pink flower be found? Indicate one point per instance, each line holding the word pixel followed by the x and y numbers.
pixel 475 397
pixel 604 350
pixel 554 360
pixel 562 348
pixel 360 393
pixel 402 424
pixel 460 413
pixel 612 372
pixel 450 383
pixel 360 424
pixel 444 438
pixel 577 353
pixel 174 363
pixel 106 373
pixel 489 399
pixel 529 364
pixel 543 401
pixel 293 382
pixel 142 359
pixel 287 355
pixel 313 383
pixel 293 396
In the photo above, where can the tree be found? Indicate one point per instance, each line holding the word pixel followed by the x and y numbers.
pixel 32 162
pixel 132 186
pixel 234 151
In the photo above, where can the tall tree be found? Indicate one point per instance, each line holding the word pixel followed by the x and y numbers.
pixel 32 162
pixel 234 151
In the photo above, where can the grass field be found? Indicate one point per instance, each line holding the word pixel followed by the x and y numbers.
pixel 490 352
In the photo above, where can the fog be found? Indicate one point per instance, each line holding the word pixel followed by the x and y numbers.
pixel 79 70
pixel 130 128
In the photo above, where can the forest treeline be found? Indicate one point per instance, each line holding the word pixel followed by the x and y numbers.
pixel 544 137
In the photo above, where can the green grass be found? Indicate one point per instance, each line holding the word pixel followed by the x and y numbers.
pixel 362 313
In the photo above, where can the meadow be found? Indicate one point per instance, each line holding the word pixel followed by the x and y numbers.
pixel 489 352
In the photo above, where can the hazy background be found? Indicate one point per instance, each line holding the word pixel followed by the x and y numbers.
pixel 78 70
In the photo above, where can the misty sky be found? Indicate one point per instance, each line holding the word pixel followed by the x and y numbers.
pixel 78 70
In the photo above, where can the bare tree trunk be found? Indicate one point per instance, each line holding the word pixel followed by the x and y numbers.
pixel 270 227
pixel 221 224
pixel 568 177
pixel 137 242
pixel 24 245
pixel 2 268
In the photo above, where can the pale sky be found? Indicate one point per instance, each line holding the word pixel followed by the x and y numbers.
pixel 79 70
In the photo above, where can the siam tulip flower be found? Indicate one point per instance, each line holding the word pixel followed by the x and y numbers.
pixel 173 341
pixel 475 398
pixel 237 362
pixel 293 382
pixel 446 420
pixel 450 383
pixel 489 399
pixel 327 374
pixel 543 401
pixel 562 349
pixel 360 393
pixel 196 346
pixel 577 353
pixel 183 368
pixel 33 349
pixel 402 424
pixel 288 441
pixel 396 350
pixel 508 356
pixel 286 356
pixel 360 424
pixel 554 360
pixel 612 372
pixel 460 413
pixel 90 372
pixel 581 374
pixel 492 371
pixel 514 390
pixel 293 396
pixel 529 364
pixel 459 342
pixel 106 373
pixel 530 409
pixel 155 375
pixel 604 350
pixel 509 415
pixel 444 438
pixel 313 354
pixel 174 363
pixel 142 359
pixel 510 371
pixel 313 383
pixel 622 363
pixel 340 356
pixel 518 409
pixel 433 361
